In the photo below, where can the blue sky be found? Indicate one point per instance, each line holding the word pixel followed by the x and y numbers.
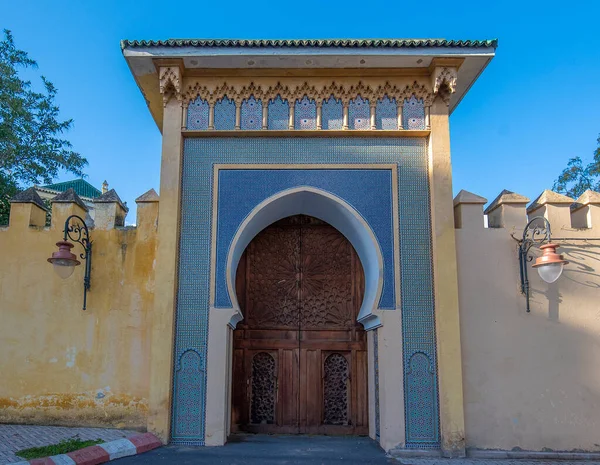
pixel 535 106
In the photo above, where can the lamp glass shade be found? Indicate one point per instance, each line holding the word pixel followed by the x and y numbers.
pixel 64 270
pixel 63 261
pixel 550 272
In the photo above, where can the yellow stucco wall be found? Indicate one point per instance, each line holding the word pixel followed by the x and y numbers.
pixel 531 380
pixel 58 363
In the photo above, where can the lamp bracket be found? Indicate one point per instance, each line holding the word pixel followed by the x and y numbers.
pixel 534 234
pixel 77 231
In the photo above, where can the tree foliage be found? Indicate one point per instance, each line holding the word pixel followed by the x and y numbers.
pixel 32 146
pixel 576 178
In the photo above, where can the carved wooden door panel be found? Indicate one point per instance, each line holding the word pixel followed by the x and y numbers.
pixel 299 348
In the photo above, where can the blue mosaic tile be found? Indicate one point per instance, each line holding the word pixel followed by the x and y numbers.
pixel 251 116
pixel 418 314
pixel 332 114
pixel 305 114
pixel 197 114
pixel 386 114
pixel 359 114
pixel 413 114
pixel 225 115
pixel 278 114
pixel 353 186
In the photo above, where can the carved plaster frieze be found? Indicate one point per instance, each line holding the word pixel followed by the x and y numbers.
pixel 169 82
pixel 343 92
pixel 305 89
pixel 273 91
pixel 443 82
pixel 249 91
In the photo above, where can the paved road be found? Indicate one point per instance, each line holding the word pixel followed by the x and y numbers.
pixel 270 450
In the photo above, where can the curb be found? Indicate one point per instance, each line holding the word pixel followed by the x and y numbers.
pixel 101 453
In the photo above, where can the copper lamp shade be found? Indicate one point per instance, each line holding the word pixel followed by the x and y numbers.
pixel 64 261
pixel 550 264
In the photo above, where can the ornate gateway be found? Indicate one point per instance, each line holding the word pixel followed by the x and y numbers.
pixel 355 133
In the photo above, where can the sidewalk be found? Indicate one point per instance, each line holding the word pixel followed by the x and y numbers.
pixel 17 437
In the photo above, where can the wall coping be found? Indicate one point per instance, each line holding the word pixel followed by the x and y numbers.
pixel 70 196
pixel 506 197
pixel 466 197
pixel 589 197
pixel 549 197
pixel 147 197
pixel 29 196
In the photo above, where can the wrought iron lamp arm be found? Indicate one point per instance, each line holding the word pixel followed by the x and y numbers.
pixel 531 236
pixel 77 231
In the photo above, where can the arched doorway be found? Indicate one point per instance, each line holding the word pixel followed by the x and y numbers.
pixel 299 355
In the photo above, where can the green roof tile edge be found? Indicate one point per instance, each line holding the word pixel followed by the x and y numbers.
pixel 316 43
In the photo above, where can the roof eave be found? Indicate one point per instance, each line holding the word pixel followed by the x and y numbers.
pixel 140 58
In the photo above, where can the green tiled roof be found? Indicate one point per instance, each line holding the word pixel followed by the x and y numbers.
pixel 80 186
pixel 316 43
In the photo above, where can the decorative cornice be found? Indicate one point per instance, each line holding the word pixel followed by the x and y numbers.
pixel 169 83
pixel 443 82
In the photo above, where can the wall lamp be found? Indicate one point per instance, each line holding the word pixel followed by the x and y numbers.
pixel 549 265
pixel 64 261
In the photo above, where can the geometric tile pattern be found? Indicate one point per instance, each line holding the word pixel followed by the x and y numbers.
pixel 305 114
pixel 359 114
pixel 413 115
pixel 386 114
pixel 353 186
pixel 251 117
pixel 417 305
pixel 225 115
pixel 332 114
pixel 418 378
pixel 189 379
pixel 278 114
pixel 197 114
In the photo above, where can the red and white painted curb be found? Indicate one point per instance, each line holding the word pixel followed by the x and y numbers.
pixel 102 452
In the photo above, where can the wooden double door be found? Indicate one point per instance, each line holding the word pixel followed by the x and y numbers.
pixel 300 357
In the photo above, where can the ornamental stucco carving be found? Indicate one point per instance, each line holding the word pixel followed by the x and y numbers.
pixel 443 82
pixel 170 82
pixel 345 91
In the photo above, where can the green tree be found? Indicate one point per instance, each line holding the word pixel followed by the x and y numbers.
pixel 577 178
pixel 32 147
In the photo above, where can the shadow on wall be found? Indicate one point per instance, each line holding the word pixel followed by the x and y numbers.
pixel 530 380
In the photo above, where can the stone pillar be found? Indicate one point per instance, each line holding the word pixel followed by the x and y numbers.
pixel 238 115
pixel 507 211
pixel 452 426
pixel 400 112
pixel 556 208
pixel 345 116
pixel 27 209
pixel 291 115
pixel 161 353
pixel 319 115
pixel 110 211
pixel 211 117
pixel 373 108
pixel 468 211
pixel 265 115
